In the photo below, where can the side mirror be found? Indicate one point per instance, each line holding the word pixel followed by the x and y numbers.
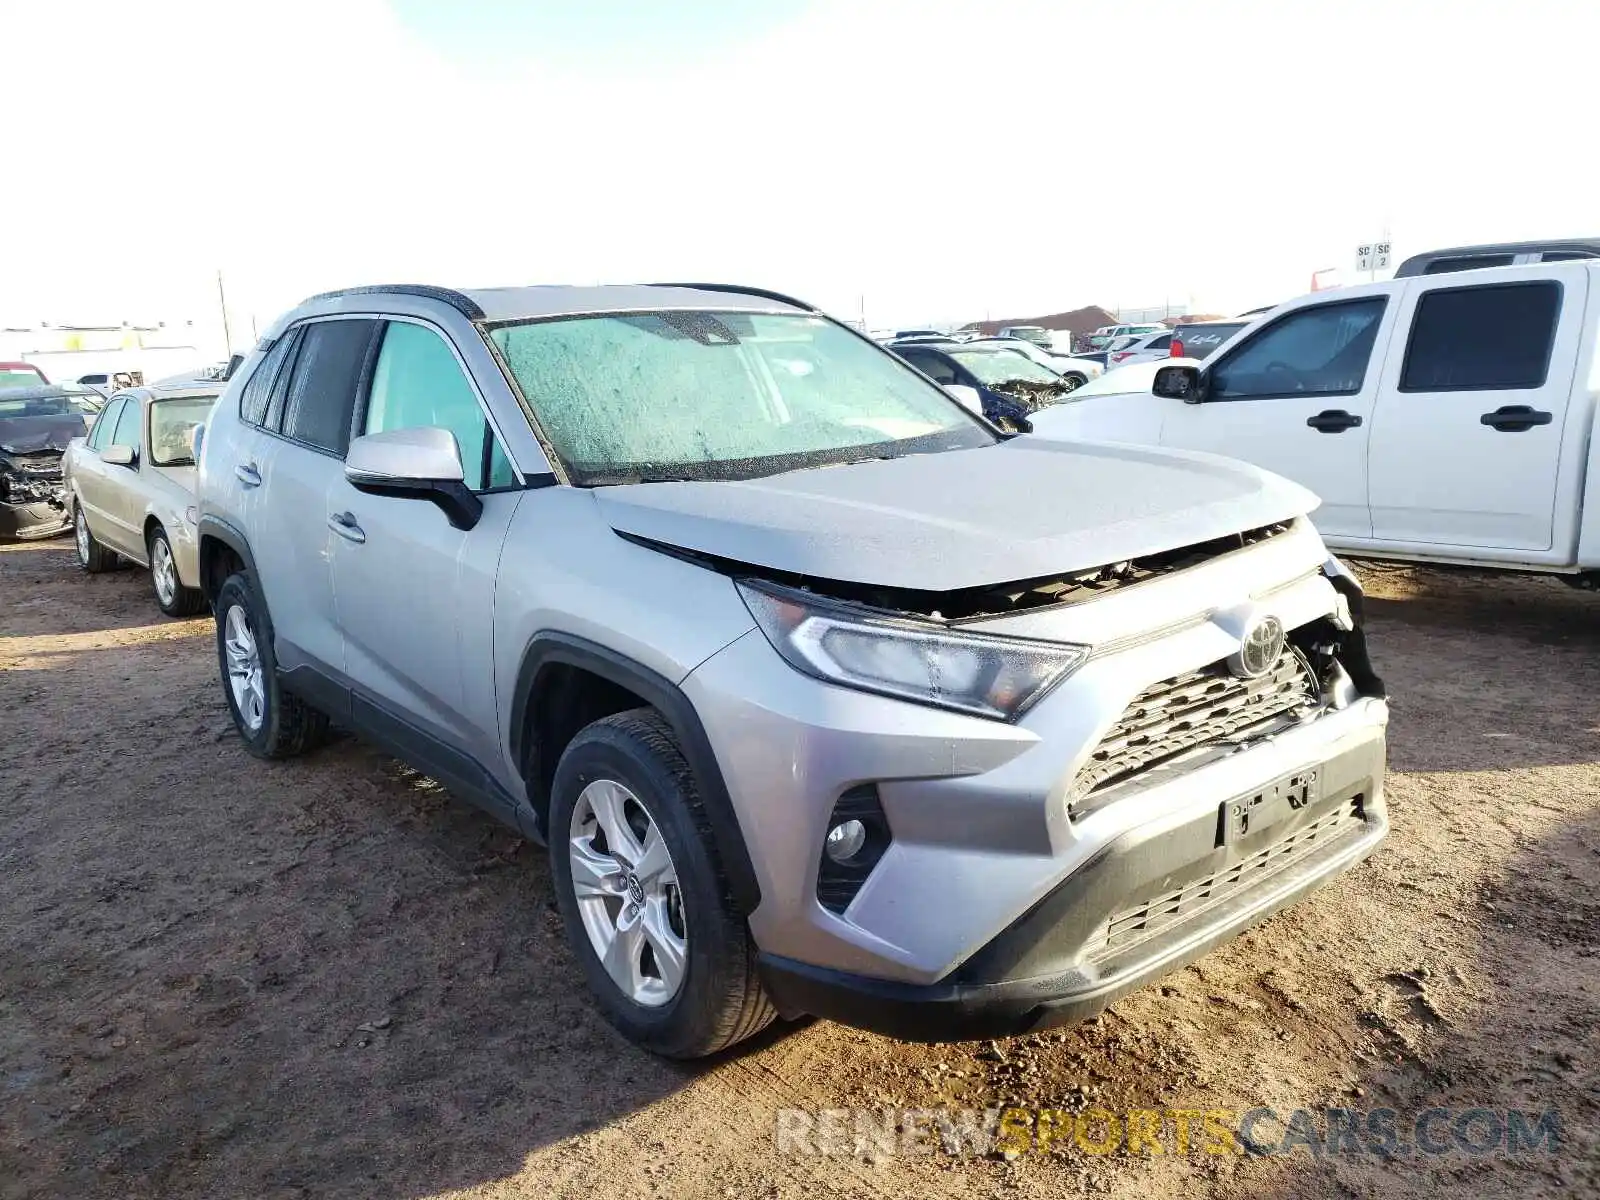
pixel 117 456
pixel 197 438
pixel 1179 383
pixel 417 464
pixel 966 396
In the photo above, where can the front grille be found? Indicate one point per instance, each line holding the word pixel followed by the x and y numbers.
pixel 1203 708
pixel 1150 917
pixel 44 464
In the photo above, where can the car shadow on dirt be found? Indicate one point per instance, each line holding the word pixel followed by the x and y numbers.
pixel 47 594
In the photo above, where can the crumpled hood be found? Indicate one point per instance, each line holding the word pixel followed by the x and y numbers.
pixel 29 435
pixel 1023 509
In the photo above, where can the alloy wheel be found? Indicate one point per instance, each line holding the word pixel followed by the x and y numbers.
pixel 80 533
pixel 626 886
pixel 244 669
pixel 163 571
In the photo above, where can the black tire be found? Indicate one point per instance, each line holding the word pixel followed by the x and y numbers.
pixel 92 556
pixel 720 1000
pixel 1075 379
pixel 186 601
pixel 289 726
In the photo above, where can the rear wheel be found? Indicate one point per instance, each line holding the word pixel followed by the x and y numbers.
pixel 271 722
pixel 171 596
pixel 670 962
pixel 92 556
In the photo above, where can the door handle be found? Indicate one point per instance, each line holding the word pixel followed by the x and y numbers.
pixel 1333 420
pixel 344 524
pixel 247 474
pixel 1514 418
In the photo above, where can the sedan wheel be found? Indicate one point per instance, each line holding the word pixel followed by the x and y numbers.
pixel 162 572
pixel 626 886
pixel 80 529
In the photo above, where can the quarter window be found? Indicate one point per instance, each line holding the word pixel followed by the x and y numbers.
pixel 1494 338
pixel 322 391
pixel 418 383
pixel 258 388
pixel 1318 351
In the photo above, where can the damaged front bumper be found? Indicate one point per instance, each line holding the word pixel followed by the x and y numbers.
pixel 32 500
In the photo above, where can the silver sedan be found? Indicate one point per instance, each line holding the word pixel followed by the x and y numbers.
pixel 130 488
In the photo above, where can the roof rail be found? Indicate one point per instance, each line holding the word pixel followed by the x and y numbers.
pixel 463 304
pixel 740 290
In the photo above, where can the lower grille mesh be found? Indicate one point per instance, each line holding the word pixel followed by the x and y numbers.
pixel 1194 710
pixel 1143 920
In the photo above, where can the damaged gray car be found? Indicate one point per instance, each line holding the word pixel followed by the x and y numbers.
pixel 36 424
pixel 827 695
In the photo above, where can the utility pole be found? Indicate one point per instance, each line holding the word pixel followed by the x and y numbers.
pixel 222 299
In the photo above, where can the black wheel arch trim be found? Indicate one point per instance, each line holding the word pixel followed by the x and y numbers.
pixel 550 647
pixel 230 536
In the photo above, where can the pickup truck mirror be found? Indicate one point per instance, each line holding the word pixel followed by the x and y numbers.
pixel 117 456
pixel 419 464
pixel 965 396
pixel 1179 383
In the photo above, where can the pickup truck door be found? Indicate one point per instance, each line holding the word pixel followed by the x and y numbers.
pixel 1468 435
pixel 1296 397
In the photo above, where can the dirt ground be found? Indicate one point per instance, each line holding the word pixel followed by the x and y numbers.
pixel 221 978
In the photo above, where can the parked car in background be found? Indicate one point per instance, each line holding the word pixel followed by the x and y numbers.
pixel 1138 348
pixel 1037 334
pixel 1498 254
pixel 1106 334
pixel 827 698
pixel 1444 418
pixel 106 382
pixel 1125 381
pixel 1200 339
pixel 130 489
pixel 1009 386
pixel 1073 371
pixel 36 426
pixel 21 374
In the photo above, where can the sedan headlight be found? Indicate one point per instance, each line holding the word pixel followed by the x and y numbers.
pixel 996 677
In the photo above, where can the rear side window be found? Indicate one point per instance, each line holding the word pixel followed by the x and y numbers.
pixel 1164 342
pixel 1494 338
pixel 258 388
pixel 1320 351
pixel 322 391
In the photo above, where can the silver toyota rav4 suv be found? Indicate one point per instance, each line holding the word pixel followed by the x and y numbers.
pixel 827 696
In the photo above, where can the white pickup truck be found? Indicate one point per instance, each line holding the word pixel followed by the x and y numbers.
pixel 1444 418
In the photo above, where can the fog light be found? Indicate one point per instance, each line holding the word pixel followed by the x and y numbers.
pixel 845 841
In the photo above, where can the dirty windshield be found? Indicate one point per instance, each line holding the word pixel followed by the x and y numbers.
pixel 719 395
pixel 1003 366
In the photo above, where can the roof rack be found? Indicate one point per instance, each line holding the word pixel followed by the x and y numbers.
pixel 463 304
pixel 740 290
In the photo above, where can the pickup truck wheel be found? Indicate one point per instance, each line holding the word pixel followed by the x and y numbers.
pixel 1073 380
pixel 644 899
pixel 272 723
pixel 92 556
pixel 171 596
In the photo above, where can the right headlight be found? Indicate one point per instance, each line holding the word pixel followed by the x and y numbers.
pixel 996 677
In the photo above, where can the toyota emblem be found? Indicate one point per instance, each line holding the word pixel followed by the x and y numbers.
pixel 1259 649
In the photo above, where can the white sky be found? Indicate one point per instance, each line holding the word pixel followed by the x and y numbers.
pixel 946 161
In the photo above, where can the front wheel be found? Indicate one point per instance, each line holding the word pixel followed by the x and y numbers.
pixel 643 897
pixel 1074 381
pixel 92 556
pixel 171 596
pixel 271 722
